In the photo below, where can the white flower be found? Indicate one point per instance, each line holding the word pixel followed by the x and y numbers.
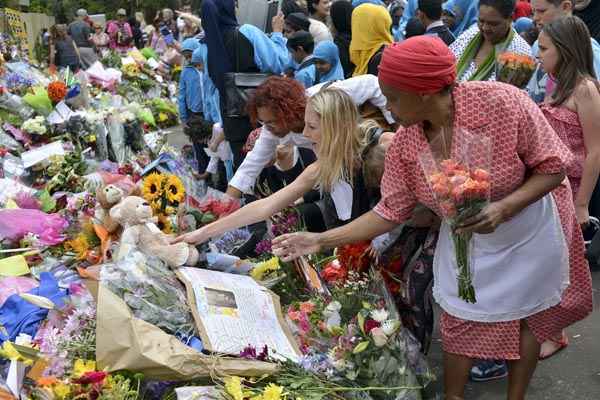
pixel 332 308
pixel 35 125
pixel 379 337
pixel 390 326
pixel 380 315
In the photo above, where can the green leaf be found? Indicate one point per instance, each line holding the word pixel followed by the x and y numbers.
pixel 361 322
pixel 47 202
pixel 362 346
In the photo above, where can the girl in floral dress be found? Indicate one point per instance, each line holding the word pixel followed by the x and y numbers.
pixel 573 110
pixel 530 273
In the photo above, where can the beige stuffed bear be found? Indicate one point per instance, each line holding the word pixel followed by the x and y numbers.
pixel 106 197
pixel 140 231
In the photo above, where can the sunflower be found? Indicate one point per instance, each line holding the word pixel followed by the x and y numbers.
pixel 152 188
pixel 174 189
pixel 164 224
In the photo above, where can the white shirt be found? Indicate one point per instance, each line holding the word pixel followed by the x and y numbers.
pixel 262 154
pixel 319 31
pixel 361 89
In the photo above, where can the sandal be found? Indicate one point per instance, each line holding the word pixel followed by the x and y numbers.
pixel 560 345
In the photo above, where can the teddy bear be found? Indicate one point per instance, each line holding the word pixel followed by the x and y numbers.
pixel 106 197
pixel 140 231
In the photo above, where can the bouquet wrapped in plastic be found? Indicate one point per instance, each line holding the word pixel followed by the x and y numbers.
pixel 515 69
pixel 39 101
pixel 152 291
pixel 461 186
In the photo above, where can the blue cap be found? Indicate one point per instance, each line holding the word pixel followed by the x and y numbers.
pixel 190 44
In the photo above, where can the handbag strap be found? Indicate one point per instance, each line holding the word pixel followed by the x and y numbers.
pixel 238 50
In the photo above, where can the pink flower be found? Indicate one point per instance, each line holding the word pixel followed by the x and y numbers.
pixel 294 315
pixel 92 377
pixel 307 307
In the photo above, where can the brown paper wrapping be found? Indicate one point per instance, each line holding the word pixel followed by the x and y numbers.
pixel 124 342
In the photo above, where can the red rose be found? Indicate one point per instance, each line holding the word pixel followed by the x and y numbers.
pixel 92 377
pixel 334 272
pixel 371 324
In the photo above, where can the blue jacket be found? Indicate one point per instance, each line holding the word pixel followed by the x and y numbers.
pixel 307 76
pixel 190 92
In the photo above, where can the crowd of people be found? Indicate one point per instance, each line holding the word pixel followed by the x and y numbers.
pixel 348 95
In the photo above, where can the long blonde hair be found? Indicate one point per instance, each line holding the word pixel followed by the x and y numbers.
pixel 342 137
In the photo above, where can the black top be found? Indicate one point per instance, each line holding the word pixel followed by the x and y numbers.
pixel 591 16
pixel 373 67
pixel 342 40
pixel 443 33
pixel 233 41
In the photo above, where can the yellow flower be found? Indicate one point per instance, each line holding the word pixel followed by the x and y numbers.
pixel 8 352
pixel 152 187
pixel 162 117
pixel 61 390
pixel 81 366
pixel 79 246
pixel 272 392
pixel 174 189
pixel 233 387
pixel 264 268
pixel 164 224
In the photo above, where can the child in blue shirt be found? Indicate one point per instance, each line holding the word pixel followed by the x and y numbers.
pixel 301 45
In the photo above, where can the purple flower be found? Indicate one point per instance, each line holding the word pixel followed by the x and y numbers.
pixel 248 353
pixel 263 247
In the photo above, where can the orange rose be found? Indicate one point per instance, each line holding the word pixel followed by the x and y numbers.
pixel 480 175
pixel 441 190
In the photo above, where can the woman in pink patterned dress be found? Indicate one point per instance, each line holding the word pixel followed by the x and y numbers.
pixel 530 273
pixel 573 110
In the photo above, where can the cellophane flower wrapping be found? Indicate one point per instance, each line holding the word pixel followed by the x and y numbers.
pixel 515 69
pixel 360 343
pixel 152 292
pixel 461 187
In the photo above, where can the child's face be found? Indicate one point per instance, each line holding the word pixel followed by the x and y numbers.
pixel 322 66
pixel 199 67
pixel 187 55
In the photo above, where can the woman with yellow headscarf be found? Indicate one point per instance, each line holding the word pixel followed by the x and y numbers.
pixel 371 32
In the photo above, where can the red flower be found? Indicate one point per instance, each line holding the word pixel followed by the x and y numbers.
pixel 371 324
pixel 92 377
pixel 354 257
pixel 334 272
pixel 57 91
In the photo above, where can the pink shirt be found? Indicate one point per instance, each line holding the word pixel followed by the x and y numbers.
pixel 113 30
pixel 523 142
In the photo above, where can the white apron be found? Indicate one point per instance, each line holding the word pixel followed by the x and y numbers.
pixel 520 269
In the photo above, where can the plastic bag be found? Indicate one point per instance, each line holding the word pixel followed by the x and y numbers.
pixel 14 103
pixel 118 150
pixel 15 284
pixel 8 142
pixel 152 291
pixel 16 223
pixel 39 101
pixel 101 133
pixel 149 52
pixel 218 203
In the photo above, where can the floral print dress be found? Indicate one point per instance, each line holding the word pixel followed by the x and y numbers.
pixel 523 143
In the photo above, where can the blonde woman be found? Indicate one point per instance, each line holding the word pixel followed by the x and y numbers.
pixel 332 123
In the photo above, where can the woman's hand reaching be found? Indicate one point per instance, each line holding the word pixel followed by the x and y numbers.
pixel 196 237
pixel 291 246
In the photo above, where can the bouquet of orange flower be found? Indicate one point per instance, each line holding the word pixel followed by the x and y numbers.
pixel 461 186
pixel 57 91
pixel 515 69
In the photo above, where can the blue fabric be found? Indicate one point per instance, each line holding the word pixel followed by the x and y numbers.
pixel 210 94
pixel 356 3
pixel 307 76
pixel 409 11
pixel 20 316
pixel 466 13
pixel 190 44
pixel 189 88
pixel 537 86
pixel 270 53
pixel 218 16
pixel 397 34
pixel 328 51
pixel 523 24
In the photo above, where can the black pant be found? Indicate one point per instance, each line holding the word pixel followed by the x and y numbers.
pixel 236 132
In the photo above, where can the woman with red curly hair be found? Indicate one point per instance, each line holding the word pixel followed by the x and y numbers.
pixel 278 106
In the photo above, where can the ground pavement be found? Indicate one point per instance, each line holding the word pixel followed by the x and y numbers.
pixel 573 374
